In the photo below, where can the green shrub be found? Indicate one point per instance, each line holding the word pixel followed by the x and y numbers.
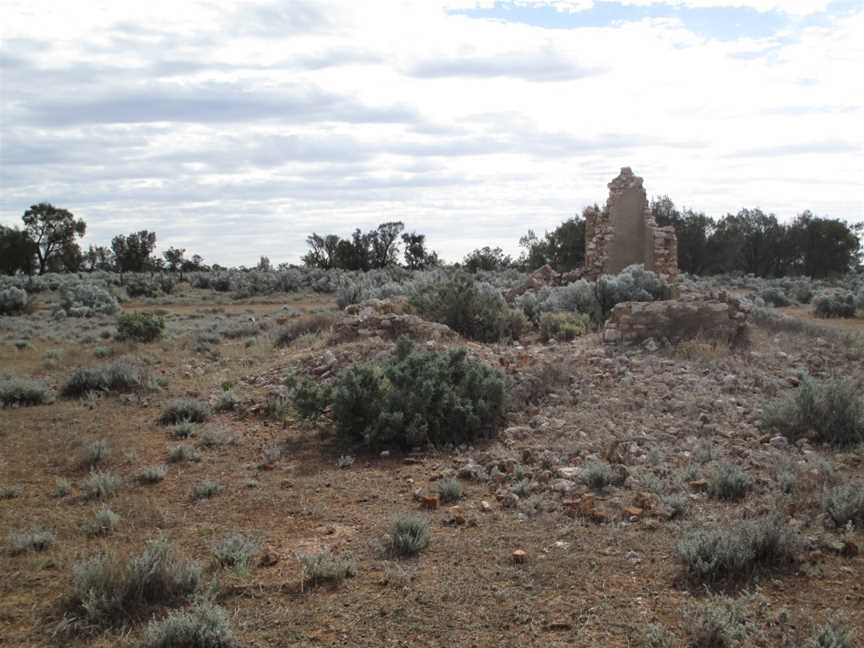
pixel 142 327
pixel 326 567
pixel 418 397
pixel 183 430
pixel 563 326
pixel 311 398
pixel 103 352
pixel 716 623
pixel 100 485
pixel 103 523
pixel 475 309
pixel 117 377
pixel 409 535
pixel 21 392
pixel 19 542
pixel 597 475
pixel 226 402
pixel 185 410
pixel 728 482
pixel 10 492
pixel 834 304
pixel 633 283
pixel 204 625
pixel 216 438
pixel 450 490
pixel 236 550
pixel 206 489
pixel 108 591
pixel 775 297
pixel 153 474
pixel 62 487
pixel 845 504
pixel 86 299
pixel 833 410
pixel 737 550
pixel 837 633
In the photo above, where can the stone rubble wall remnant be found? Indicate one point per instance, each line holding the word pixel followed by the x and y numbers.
pixel 625 233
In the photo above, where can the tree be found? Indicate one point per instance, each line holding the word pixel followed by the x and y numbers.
pixel 174 258
pixel 488 259
pixel 53 230
pixel 195 264
pixel 98 258
pixel 132 252
pixel 825 246
pixel 264 265
pixel 384 242
pixel 693 231
pixel 417 257
pixel 563 248
pixel 17 251
pixel 323 252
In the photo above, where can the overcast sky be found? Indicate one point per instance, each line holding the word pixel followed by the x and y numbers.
pixel 234 129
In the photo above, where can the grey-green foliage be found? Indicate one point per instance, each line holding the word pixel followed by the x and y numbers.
pixel 216 438
pixel 13 300
pixel 449 490
pixel 325 566
pixel 117 377
pixel 832 409
pixel 204 625
pixel 206 489
pixel 35 539
pixel 418 397
pixel 409 535
pixel 110 591
pixel 153 474
pixel 87 299
pixel 95 453
pixel 845 504
pixel 654 635
pixel 716 623
pixel 834 303
pixel 563 327
pixel 103 523
pixel 775 296
pixel 576 297
pixel 182 453
pixel 633 283
pixel 142 327
pixel 100 485
pixel 236 550
pixel 185 410
pixel 737 550
pixel 21 392
pixel 62 487
pixel 836 633
pixel 728 482
pixel 598 475
pixel 10 492
pixel 310 398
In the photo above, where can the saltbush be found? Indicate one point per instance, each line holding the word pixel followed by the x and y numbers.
pixel 475 309
pixel 845 504
pixel 142 327
pixel 327 567
pixel 186 410
pixel 236 550
pixel 409 535
pixel 317 323
pixel 19 542
pixel 13 300
pixel 836 633
pixel 418 397
pixel 634 283
pixel 831 410
pixel 774 296
pixel 86 299
pixel 20 392
pixel 117 377
pixel 737 550
pixel 728 482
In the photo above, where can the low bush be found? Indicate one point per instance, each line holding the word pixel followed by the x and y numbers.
pixel 775 297
pixel 19 542
pixel 409 535
pixel 418 397
pixel 100 485
pixel 216 438
pixel 836 633
pixel 103 523
pixel 845 504
pixel 634 283
pixel 108 591
pixel 10 492
pixel 449 490
pixel 831 410
pixel 316 323
pixel 204 625
pixel 206 489
pixel 311 398
pixel 62 487
pixel 140 286
pixel 598 475
pixel 728 482
pixel 86 299
pixel 95 453
pixel 23 392
pixel 326 567
pixel 563 327
pixel 185 410
pixel 718 622
pixel 183 453
pixel 835 303
pixel 737 550
pixel 475 309
pixel 141 327
pixel 13 301
pixel 153 474
pixel 236 550
pixel 117 377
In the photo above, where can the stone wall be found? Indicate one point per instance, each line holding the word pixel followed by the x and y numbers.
pixel 719 317
pixel 625 233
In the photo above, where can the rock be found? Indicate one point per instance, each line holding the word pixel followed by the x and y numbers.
pixel 780 442
pixel 562 485
pixel 269 557
pixel 519 557
pixel 632 512
pixel 429 502
pixel 568 472
pixel 698 485
pixel 485 506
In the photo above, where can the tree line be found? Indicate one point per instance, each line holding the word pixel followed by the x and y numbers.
pixel 377 248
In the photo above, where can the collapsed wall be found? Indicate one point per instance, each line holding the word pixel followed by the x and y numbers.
pixel 625 233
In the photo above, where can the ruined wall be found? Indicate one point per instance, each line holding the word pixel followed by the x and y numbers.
pixel 625 233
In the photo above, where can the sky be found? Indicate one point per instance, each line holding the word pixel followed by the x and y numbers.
pixel 234 129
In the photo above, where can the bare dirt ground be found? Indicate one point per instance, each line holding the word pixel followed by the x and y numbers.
pixel 668 417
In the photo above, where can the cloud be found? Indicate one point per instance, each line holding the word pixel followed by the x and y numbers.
pixel 543 65
pixel 802 148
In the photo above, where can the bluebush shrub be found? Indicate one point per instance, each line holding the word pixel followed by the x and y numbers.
pixel 142 327
pixel 13 301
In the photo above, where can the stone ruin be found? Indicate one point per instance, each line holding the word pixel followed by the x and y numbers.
pixel 625 233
